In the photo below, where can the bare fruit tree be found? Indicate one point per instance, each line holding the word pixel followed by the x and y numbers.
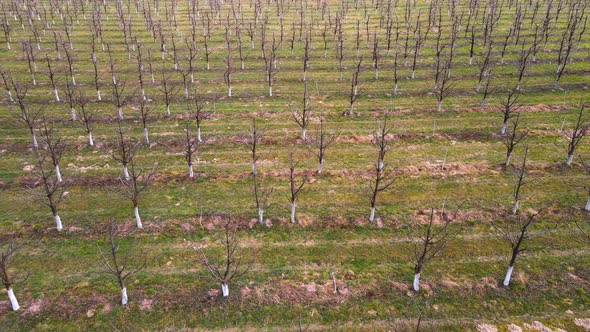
pixel 191 146
pixel 382 177
pixel 52 146
pixel 7 277
pixel 303 116
pixel 294 188
pixel 520 175
pixel 575 135
pixel 508 109
pixel 517 231
pixel 124 148
pixel 320 142
pixel 132 187
pixel 231 264
pixel 50 191
pixel 111 262
pixel 431 241
pixel 262 194
pixel 252 141
pixel 512 138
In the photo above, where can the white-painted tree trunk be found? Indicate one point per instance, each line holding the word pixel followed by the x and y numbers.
pixel 56 95
pixel 260 216
pixel 98 95
pixel 508 276
pixel 416 284
pixel 372 216
pixel 58 224
pixel 120 111
pixel 137 218
pixel 124 297
pixel 503 129
pixel 470 60
pixel 320 166
pixel 439 106
pixel 413 74
pixel 143 94
pixel 191 174
pixel 395 89
pixel 90 139
pixel 270 91
pixel 304 134
pixel 225 290
pixel 507 161
pixel 35 144
pixel 570 159
pixel 293 206
pixel 126 172
pixel 254 169
pixel 229 91
pixel 168 109
pixel 73 111
pixel 13 300
pixel 58 174
pixel 199 139
pixel 10 95
pixel 146 136
pixel 516 206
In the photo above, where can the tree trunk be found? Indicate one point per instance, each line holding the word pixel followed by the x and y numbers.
pixel 98 94
pixel 191 174
pixel 146 136
pixel 254 169
pixel 56 95
pixel 120 110
pixel 507 161
pixel 570 159
pixel 372 216
pixel 503 129
pixel 229 91
pixel 508 276
pixel 395 89
pixel 225 289
pixel 124 298
pixel 58 222
pixel 126 172
pixel 58 174
pixel 293 205
pixel 137 218
pixel 320 166
pixel 416 284
pixel 270 91
pixel 303 134
pixel 168 109
pixel 13 300
pixel 73 111
pixel 90 140
pixel 516 206
pixel 35 144
pixel 260 216
pixel 439 107
pixel 587 208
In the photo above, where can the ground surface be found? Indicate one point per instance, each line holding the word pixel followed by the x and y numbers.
pixel 292 273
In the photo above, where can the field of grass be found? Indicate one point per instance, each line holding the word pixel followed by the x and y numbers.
pixel 451 158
